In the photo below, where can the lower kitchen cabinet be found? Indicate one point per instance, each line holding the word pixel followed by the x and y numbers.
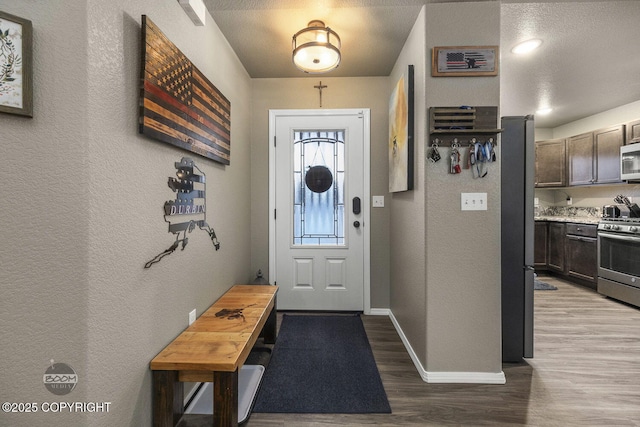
pixel 555 251
pixel 567 249
pixel 581 249
pixel 540 245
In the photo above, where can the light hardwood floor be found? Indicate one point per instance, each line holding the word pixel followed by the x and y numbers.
pixel 585 372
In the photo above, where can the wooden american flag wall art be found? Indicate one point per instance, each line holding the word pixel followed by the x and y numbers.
pixel 179 105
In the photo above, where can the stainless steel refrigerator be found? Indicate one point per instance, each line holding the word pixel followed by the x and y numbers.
pixel 517 154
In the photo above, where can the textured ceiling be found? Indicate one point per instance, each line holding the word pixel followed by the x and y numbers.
pixel 372 32
pixel 589 61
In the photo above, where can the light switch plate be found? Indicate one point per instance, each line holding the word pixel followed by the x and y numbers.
pixel 378 201
pixel 473 201
pixel 192 316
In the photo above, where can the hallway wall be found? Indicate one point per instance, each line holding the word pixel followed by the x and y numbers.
pixel 445 268
pixel 463 247
pixel 87 194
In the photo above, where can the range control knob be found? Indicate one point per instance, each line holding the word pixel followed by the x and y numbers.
pixel 633 229
pixel 615 227
pixel 607 227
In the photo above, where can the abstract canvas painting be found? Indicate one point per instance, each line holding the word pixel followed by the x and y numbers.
pixel 401 134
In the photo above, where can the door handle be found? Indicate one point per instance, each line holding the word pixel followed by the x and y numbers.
pixel 356 205
pixel 356 224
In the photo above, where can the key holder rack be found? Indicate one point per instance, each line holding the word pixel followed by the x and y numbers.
pixel 470 133
pixel 460 125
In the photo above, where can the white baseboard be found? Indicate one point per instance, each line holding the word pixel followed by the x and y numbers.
pixel 447 377
pixel 378 312
pixel 466 377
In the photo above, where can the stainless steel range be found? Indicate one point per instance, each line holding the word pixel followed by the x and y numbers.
pixel 619 259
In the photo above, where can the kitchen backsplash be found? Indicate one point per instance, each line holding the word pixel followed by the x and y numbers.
pixel 568 211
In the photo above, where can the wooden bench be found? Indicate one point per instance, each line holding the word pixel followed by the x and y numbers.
pixel 213 349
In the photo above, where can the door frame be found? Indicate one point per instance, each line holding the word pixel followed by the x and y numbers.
pixel 365 114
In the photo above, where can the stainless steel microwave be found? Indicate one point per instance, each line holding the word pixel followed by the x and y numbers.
pixel 630 162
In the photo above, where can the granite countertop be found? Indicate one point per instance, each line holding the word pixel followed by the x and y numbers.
pixel 575 219
pixel 578 215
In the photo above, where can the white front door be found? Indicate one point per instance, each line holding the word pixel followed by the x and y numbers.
pixel 319 199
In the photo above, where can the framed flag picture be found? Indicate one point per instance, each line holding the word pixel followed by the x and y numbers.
pixel 461 61
pixel 178 104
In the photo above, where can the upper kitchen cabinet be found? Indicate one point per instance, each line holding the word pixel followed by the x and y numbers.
pixel 594 157
pixel 633 132
pixel 551 163
pixel 607 154
pixel 581 159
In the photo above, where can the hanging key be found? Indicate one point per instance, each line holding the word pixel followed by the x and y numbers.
pixel 434 154
pixel 454 159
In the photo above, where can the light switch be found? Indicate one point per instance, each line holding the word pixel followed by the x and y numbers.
pixel 473 201
pixel 378 201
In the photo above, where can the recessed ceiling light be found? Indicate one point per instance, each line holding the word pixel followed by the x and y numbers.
pixel 526 46
pixel 544 111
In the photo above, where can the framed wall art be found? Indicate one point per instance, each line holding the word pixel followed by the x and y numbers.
pixel 459 61
pixel 16 70
pixel 401 124
pixel 179 105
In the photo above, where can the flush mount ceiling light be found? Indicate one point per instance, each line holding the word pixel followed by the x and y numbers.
pixel 316 49
pixel 526 46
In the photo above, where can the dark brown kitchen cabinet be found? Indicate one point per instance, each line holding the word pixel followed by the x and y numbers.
pixel 633 132
pixel 555 248
pixel 607 143
pixel 594 157
pixel 581 159
pixel 540 244
pixel 582 253
pixel 550 163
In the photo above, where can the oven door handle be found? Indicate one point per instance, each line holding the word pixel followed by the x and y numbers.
pixel 619 237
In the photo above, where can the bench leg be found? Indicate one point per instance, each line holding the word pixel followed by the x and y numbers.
pixel 270 327
pixel 225 399
pixel 167 398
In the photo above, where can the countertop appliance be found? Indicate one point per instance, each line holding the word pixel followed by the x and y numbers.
pixel 611 211
pixel 630 162
pixel 517 156
pixel 615 211
pixel 619 259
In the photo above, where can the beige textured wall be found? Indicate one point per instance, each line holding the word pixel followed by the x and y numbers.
pixel 463 248
pixel 299 93
pixel 91 192
pixel 409 210
pixel 615 116
pixel 45 218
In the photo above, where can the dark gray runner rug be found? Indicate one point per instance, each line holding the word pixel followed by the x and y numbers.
pixel 322 364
